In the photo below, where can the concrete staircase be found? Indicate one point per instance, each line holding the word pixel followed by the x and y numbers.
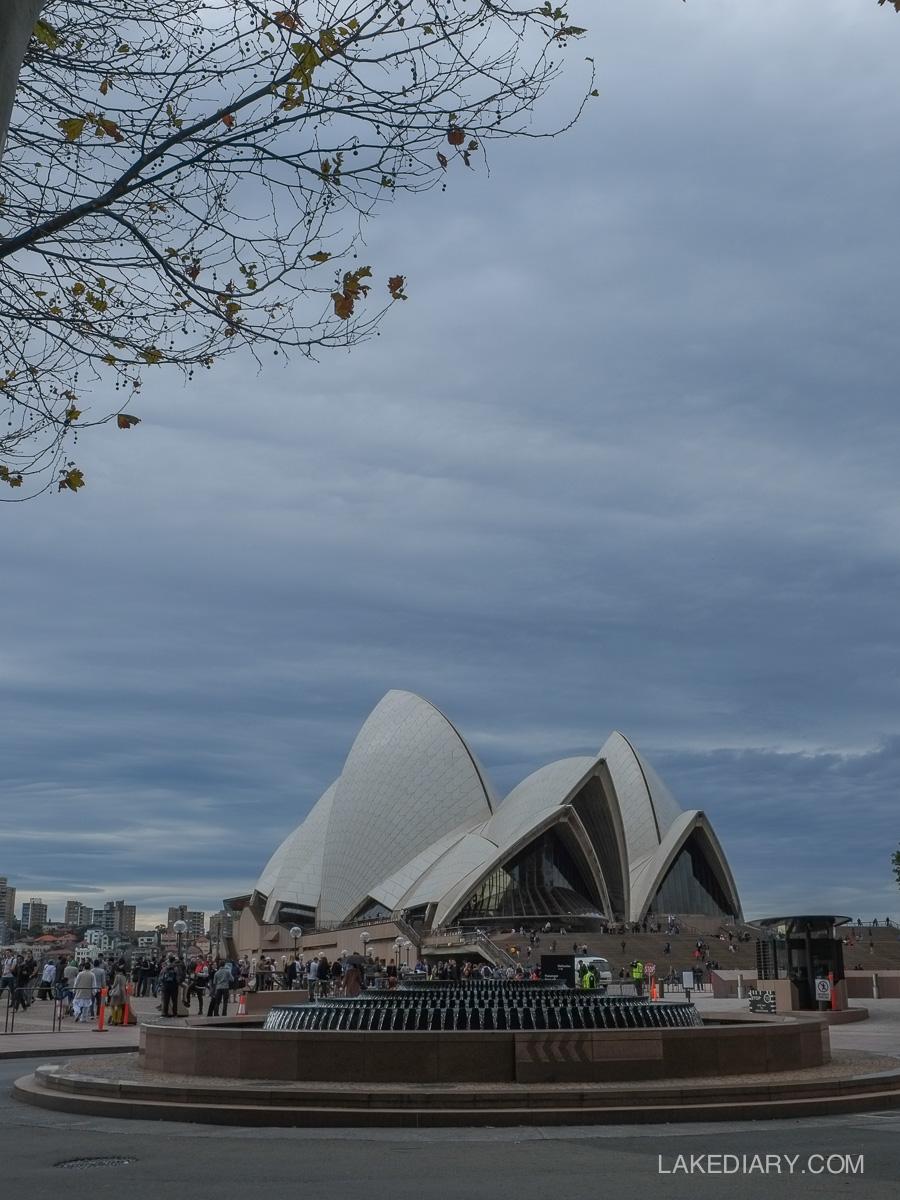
pixel 874 949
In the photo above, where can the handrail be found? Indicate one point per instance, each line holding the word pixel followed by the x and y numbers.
pixel 407 930
pixel 506 959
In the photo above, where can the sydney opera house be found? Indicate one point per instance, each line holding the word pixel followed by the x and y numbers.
pixel 412 829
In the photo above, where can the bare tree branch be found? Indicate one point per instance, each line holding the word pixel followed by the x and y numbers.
pixel 181 180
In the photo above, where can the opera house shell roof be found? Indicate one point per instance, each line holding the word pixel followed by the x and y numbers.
pixel 412 826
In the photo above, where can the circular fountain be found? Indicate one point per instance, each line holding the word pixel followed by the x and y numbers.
pixel 456 1053
pixel 484 1005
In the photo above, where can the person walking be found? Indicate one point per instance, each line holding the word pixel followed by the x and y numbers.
pixel 48 978
pixel 198 985
pixel 323 975
pixel 352 980
pixel 117 996
pixel 99 973
pixel 70 971
pixel 637 977
pixel 168 986
pixel 220 990
pixel 83 994
pixel 8 973
pixel 24 971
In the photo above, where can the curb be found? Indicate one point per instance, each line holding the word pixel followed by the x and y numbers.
pixel 30 1091
pixel 54 1053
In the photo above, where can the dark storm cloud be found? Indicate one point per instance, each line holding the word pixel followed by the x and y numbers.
pixel 626 458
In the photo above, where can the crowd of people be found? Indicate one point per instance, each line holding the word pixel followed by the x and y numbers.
pixel 210 982
pixel 81 984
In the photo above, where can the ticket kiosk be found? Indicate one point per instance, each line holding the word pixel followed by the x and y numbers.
pixel 801 960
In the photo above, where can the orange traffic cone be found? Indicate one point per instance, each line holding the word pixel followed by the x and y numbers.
pixel 653 992
pixel 242 1005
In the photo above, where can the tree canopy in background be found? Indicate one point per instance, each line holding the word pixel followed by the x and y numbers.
pixel 183 179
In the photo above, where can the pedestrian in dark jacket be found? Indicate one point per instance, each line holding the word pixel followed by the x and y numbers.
pixel 168 986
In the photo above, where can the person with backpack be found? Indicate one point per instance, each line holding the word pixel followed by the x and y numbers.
pixel 198 984
pixel 168 986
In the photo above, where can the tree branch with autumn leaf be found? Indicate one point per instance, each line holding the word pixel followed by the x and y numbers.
pixel 182 181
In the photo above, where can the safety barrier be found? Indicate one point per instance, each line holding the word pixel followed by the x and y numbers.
pixel 20 999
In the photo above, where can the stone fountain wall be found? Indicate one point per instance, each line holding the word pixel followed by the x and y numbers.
pixel 724 1045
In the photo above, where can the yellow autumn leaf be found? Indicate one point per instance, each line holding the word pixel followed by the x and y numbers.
pixel 72 127
pixel 72 479
pixel 47 35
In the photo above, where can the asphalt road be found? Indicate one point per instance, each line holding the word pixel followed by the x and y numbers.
pixel 532 1164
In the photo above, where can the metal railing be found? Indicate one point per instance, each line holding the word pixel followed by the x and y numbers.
pixel 20 999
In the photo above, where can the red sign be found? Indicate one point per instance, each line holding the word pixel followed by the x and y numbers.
pixel 649 968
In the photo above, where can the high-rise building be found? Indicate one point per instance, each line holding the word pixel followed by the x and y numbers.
pixel 115 917
pixel 77 914
pixel 196 921
pixel 123 915
pixel 7 900
pixel 34 914
pixel 221 926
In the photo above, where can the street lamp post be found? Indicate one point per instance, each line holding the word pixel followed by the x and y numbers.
pixel 179 928
pixel 296 934
pixel 406 946
pixel 398 946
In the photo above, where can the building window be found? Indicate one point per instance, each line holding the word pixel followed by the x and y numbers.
pixel 541 881
pixel 691 885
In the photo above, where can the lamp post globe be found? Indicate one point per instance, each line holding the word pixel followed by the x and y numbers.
pixel 296 934
pixel 179 928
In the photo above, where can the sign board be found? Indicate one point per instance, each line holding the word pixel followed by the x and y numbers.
pixel 687 979
pixel 823 990
pixel 649 968
pixel 559 966
pixel 762 1001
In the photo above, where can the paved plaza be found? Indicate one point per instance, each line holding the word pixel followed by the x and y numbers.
pixel 578 1163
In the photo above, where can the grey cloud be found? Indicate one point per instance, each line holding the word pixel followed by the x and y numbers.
pixel 626 458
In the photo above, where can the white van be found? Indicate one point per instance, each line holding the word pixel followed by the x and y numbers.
pixel 600 967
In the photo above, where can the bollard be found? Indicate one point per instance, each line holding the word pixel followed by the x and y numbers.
pixel 874 986
pixel 740 994
pixel 101 1010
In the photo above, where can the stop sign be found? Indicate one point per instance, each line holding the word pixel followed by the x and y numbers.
pixel 649 968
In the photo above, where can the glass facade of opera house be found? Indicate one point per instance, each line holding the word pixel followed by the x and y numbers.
pixel 412 829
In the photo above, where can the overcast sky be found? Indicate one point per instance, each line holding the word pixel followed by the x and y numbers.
pixel 628 458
